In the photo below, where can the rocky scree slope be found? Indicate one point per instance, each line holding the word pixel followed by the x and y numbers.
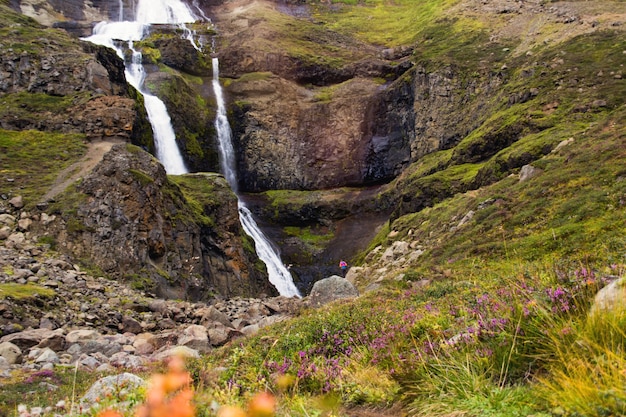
pixel 67 315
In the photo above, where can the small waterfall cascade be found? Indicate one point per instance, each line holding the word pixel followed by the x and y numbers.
pixel 173 12
pixel 279 276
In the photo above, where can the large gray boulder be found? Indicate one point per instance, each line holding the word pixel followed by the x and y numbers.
pixel 330 289
pixel 611 298
pixel 10 352
pixel 111 385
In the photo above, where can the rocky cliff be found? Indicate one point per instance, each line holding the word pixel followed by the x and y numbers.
pixel 124 217
pixel 469 97
pixel 155 239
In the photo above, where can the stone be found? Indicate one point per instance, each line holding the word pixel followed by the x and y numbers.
pixel 527 172
pixel 89 362
pixel 115 386
pixel 11 353
pixel 330 289
pixel 5 232
pixel 81 336
pixel 55 340
pixel 397 249
pixel 131 325
pixel 144 344
pixel 182 351
pixel 195 337
pixel 7 220
pixel 24 225
pixel 47 355
pixel 250 330
pixel 126 360
pixel 468 216
pixel 17 202
pixel 160 340
pixel 29 338
pixel 211 314
pixel 611 298
pixel 256 311
pixel 16 241
pixel 563 144
pixel 219 334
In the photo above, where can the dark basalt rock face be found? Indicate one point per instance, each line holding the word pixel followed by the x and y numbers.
pixel 136 225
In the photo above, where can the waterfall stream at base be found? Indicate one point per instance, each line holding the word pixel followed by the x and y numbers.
pixel 175 12
pixel 279 275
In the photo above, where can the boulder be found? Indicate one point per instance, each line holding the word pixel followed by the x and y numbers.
pixel 527 172
pixel 144 344
pixel 81 336
pixel 330 289
pixel 10 352
pixel 183 351
pixel 115 385
pixel 212 314
pixel 17 202
pixel 195 337
pixel 611 298
pixel 131 325
pixel 46 355
pixel 30 338
pixel 220 334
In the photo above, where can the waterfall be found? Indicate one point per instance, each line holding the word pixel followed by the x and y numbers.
pixel 106 33
pixel 279 276
pixel 175 12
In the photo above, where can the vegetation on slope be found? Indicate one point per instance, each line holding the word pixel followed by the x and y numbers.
pixel 492 319
pixel 30 161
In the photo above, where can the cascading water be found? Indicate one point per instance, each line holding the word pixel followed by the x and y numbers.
pixel 279 276
pixel 173 12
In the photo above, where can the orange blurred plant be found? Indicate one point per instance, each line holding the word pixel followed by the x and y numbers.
pixel 263 404
pixel 170 395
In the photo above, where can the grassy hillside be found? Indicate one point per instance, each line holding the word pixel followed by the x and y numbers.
pixel 490 315
pixel 486 311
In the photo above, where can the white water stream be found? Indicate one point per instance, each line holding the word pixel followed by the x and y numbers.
pixel 175 12
pixel 279 276
pixel 106 33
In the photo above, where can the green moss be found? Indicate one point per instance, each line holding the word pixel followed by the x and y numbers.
pixel 132 149
pixel 68 202
pixel 75 226
pixel 35 106
pixel 203 193
pixel 304 40
pixel 48 240
pixel 253 76
pixel 397 23
pixel 193 145
pixel 143 178
pixel 313 237
pixel 30 161
pixel 24 291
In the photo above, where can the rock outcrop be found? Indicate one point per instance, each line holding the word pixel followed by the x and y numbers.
pixel 135 224
pixel 53 312
pixel 62 84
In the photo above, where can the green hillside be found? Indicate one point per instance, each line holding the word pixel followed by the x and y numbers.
pixel 490 318
pixel 476 294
